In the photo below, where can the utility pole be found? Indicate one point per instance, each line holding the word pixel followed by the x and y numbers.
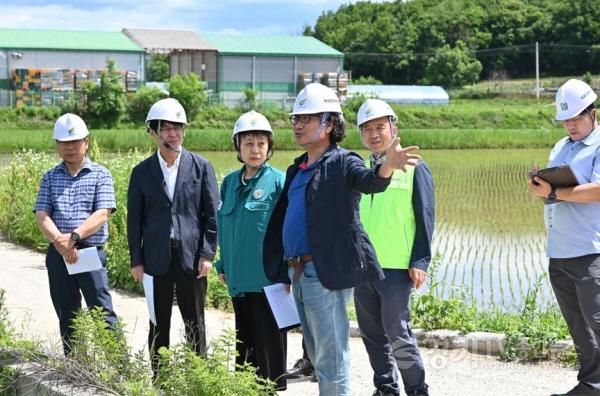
pixel 537 72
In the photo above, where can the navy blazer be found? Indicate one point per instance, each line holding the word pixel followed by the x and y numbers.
pixel 342 253
pixel 192 214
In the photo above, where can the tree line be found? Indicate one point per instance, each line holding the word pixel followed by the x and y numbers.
pixel 455 42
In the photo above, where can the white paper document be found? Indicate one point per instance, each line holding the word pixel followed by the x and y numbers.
pixel 149 292
pixel 283 305
pixel 88 261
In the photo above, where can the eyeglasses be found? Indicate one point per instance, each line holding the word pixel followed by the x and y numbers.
pixel 379 129
pixel 302 118
pixel 171 128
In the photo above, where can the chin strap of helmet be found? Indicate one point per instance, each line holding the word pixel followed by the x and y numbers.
pixel 321 127
pixel 163 142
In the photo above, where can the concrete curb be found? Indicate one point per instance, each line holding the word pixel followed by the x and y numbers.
pixel 483 343
pixel 34 380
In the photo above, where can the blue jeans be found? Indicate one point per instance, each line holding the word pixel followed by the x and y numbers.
pixel 383 319
pixel 326 330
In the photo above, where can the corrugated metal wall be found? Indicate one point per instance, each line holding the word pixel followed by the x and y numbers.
pixel 191 61
pixel 37 59
pixel 274 77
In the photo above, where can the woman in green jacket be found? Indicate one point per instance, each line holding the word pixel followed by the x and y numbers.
pixel 248 197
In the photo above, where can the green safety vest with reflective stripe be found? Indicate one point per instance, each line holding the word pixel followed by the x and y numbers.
pixel 389 220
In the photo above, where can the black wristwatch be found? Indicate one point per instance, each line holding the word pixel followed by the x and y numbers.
pixel 552 195
pixel 75 237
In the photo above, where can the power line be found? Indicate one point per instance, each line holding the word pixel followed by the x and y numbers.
pixel 520 48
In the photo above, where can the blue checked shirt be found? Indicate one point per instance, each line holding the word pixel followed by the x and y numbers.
pixel 69 200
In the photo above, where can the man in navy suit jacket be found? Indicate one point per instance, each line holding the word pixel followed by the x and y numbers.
pixel 172 228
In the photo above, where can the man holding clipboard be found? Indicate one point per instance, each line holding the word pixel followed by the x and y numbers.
pixel 573 226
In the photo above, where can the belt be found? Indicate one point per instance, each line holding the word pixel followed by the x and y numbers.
pixel 296 261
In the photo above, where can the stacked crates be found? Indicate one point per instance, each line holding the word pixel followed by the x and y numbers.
pixel 336 81
pixel 27 84
pixel 49 87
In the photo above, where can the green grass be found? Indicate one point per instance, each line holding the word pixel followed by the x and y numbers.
pixel 220 140
pixel 496 113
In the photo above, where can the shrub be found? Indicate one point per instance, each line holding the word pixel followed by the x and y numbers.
pixel 250 98
pixel 368 80
pixel 189 91
pixel 183 373
pixel 452 67
pixel 100 355
pixel 104 102
pixel 139 104
pixel 158 68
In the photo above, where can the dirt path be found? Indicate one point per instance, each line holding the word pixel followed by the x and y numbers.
pixel 450 373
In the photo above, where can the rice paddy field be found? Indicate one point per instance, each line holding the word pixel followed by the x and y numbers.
pixel 489 235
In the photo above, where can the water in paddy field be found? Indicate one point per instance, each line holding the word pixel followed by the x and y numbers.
pixel 489 233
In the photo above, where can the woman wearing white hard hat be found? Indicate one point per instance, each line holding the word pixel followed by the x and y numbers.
pixel 400 224
pixel 315 227
pixel 572 218
pixel 74 203
pixel 248 196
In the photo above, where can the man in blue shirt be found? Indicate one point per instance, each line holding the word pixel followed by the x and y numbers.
pixel 74 203
pixel 315 238
pixel 573 223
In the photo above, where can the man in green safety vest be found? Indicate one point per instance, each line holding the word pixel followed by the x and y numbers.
pixel 400 224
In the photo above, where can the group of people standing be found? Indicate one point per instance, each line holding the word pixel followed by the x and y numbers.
pixel 332 228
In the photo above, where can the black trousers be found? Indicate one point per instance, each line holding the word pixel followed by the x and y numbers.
pixel 66 290
pixel 260 342
pixel 191 296
pixel 576 284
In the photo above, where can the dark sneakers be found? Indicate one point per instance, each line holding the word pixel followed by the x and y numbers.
pixel 379 392
pixel 580 390
pixel 302 368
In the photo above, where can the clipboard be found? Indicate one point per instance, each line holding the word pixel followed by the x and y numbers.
pixel 557 176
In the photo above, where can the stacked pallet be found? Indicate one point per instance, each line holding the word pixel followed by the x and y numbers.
pixel 342 85
pixel 49 87
pixel 27 84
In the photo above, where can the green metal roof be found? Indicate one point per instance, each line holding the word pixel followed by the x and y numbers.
pixel 230 44
pixel 66 40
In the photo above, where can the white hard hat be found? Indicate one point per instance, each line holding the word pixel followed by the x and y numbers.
pixel 251 121
pixel 572 98
pixel 316 98
pixel 168 109
pixel 70 127
pixel 374 108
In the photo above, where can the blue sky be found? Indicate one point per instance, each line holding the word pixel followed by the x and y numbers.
pixel 225 16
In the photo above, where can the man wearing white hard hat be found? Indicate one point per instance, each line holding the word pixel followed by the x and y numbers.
pixel 172 227
pixel 73 206
pixel 573 224
pixel 248 196
pixel 315 239
pixel 400 223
